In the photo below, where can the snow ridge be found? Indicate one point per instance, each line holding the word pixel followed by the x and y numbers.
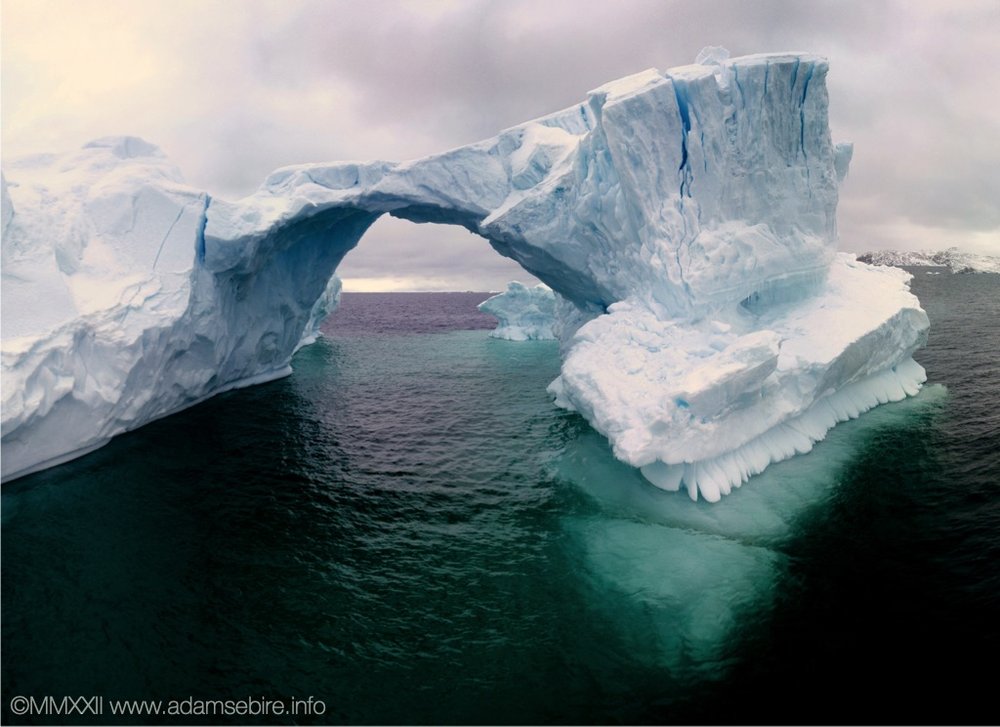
pixel 952 258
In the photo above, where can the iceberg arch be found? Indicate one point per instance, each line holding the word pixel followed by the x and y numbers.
pixel 686 220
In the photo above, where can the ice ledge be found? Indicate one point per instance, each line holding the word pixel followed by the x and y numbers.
pixel 718 476
pixel 671 395
pixel 26 450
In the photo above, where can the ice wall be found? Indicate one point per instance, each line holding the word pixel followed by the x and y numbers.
pixel 687 218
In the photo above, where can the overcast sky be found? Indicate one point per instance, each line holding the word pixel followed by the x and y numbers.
pixel 232 89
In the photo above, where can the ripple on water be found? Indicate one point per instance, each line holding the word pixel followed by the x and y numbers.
pixel 407 529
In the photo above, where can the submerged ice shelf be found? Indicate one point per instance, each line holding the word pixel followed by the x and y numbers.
pixel 696 575
pixel 685 222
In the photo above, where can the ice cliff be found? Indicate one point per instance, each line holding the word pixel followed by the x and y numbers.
pixel 685 220
pixel 522 313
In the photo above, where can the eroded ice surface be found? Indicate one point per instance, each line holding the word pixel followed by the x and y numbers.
pixel 522 313
pixel 685 219
pixel 746 387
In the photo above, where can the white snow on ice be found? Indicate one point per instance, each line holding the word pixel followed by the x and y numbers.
pixel 523 313
pixel 686 222
pixel 952 258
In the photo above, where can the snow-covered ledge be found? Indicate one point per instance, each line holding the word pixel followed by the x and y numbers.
pixel 686 218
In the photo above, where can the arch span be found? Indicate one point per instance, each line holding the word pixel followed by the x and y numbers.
pixel 639 191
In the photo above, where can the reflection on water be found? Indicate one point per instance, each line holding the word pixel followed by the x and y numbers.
pixel 683 579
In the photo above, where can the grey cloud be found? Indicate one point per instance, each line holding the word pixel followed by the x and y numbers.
pixel 400 247
pixel 248 86
pixel 486 66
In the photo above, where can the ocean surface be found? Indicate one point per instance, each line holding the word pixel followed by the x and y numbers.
pixel 409 531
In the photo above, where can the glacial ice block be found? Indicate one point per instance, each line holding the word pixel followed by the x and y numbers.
pixel 522 313
pixel 684 219
pixel 707 404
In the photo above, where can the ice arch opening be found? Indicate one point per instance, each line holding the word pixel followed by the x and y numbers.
pixel 292 272
pixel 685 218
pixel 399 255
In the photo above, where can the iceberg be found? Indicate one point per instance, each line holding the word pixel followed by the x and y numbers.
pixel 523 313
pixel 685 220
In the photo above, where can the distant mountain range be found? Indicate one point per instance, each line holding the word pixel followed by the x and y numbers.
pixel 952 258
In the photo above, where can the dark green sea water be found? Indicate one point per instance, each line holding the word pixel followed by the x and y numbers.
pixel 408 530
